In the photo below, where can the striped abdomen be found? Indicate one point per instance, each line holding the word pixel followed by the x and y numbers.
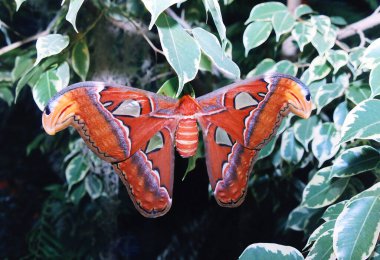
pixel 186 138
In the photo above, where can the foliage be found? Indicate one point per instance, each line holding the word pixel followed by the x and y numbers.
pixel 337 150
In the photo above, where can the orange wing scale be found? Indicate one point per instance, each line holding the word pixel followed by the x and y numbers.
pixel 136 130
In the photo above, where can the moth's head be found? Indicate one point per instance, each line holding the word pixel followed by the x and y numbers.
pixel 59 113
pixel 296 94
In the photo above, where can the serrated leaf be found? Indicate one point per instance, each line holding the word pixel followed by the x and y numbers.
pixel 76 170
pixel 303 33
pixel 362 122
pixel 265 11
pixel 337 59
pixel 303 130
pixel 324 42
pixel 156 7
pixel 213 7
pixel 264 66
pixel 302 10
pixel 291 151
pixel 371 55
pixel 321 191
pixel 211 47
pixel 327 226
pixel 180 49
pixel 354 161
pixel 322 248
pixel 80 59
pixel 374 80
pixel 93 185
pixel 340 114
pixel 49 45
pixel 326 94
pixel 357 229
pixel 256 34
pixel 22 65
pixel 270 251
pixel 358 92
pixel 283 22
pixel 319 68
pixel 63 73
pixel 333 211
pixel 19 3
pixel 286 67
pixel 45 88
pixel 325 143
pixel 71 15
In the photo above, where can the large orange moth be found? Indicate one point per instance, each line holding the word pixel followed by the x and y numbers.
pixel 136 131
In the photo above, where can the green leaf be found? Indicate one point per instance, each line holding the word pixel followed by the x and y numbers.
pixel 211 47
pixel 80 59
pixel 321 191
pixel 291 151
pixel 213 7
pixel 340 114
pixel 267 149
pixel 337 59
pixel 270 251
pixel 323 247
pixel 371 55
pixel 93 185
pixel 333 211
pixel 77 193
pixel 265 11
pixel 329 225
pixel 374 81
pixel 22 65
pixel 358 92
pixel 326 94
pixel 169 88
pixel 303 33
pixel 324 42
pixel 205 64
pixel 303 130
pixel 371 191
pixel 6 95
pixel 76 170
pixel 354 161
pixel 319 68
pixel 71 15
pixel 300 218
pixel 362 122
pixel 322 23
pixel 286 67
pixel 180 49
pixel 355 55
pixel 45 88
pixel 338 20
pixel 19 3
pixel 264 66
pixel 283 22
pixel 357 229
pixel 63 73
pixel 49 45
pixel 302 10
pixel 325 143
pixel 256 34
pixel 156 7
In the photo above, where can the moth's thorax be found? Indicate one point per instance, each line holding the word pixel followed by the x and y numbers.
pixel 188 106
pixel 186 138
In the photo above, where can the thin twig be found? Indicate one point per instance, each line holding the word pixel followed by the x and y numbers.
pixel 178 19
pixel 29 39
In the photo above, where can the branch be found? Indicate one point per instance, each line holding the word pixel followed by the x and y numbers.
pixel 360 26
pixel 178 19
pixel 15 45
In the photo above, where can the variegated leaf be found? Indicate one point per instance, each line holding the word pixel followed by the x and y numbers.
pixel 270 251
pixel 325 143
pixel 291 151
pixel 303 130
pixel 333 211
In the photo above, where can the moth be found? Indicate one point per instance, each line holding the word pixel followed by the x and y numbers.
pixel 136 131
